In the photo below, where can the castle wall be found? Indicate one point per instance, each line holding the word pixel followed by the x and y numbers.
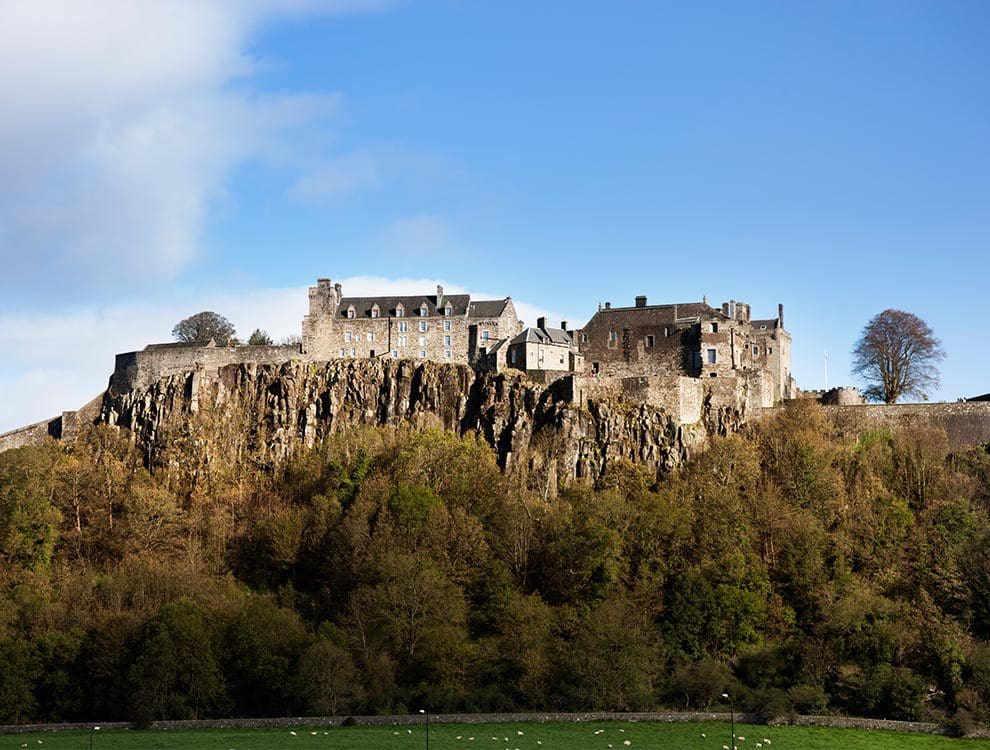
pixel 141 369
pixel 966 423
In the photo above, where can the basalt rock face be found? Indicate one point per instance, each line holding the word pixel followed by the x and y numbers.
pixel 271 410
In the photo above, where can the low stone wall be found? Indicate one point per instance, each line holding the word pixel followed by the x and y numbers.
pixel 32 434
pixel 966 423
pixel 835 722
pixel 133 370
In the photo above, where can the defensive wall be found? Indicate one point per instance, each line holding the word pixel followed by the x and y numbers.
pixel 133 370
pixel 966 423
pixel 63 427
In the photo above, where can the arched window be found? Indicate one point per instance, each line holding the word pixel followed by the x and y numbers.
pixel 448 310
pixel 424 311
pixel 350 311
pixel 374 310
pixel 400 311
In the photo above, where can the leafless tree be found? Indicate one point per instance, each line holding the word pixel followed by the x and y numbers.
pixel 897 355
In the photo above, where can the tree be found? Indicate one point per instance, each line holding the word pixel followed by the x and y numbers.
pixel 259 338
pixel 897 356
pixel 204 326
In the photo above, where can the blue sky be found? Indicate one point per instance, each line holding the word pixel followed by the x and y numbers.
pixel 162 158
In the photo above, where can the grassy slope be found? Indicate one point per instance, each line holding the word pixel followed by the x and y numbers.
pixel 589 736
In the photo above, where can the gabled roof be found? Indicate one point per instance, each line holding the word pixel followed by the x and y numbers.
pixel 544 336
pixel 460 305
pixel 769 323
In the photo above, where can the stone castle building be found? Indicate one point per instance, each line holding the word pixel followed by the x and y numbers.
pixel 440 327
pixel 690 340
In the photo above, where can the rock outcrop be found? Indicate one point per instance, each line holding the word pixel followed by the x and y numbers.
pixel 272 409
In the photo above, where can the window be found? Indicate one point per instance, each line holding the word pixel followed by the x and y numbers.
pixel 353 352
pixel 484 336
pixel 422 340
pixel 343 353
pixel 756 351
pixel 403 340
pixel 350 311
pixel 403 327
pixel 374 311
pixel 584 338
pixel 448 310
pixel 447 354
pixel 422 353
pixel 513 354
pixel 769 350
pixel 395 354
pixel 613 336
pixel 400 311
pixel 649 342
pixel 711 356
pixel 666 330
pixel 446 325
pixel 424 311
pixel 714 327
pixel 348 337
pixel 423 325
pixel 371 337
pixel 446 340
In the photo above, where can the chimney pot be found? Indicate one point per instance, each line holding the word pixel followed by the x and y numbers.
pixel 641 301
pixel 563 325
pixel 541 322
pixel 608 305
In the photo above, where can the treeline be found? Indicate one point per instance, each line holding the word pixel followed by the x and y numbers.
pixel 800 567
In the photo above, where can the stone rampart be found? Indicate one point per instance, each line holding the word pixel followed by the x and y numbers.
pixel 32 434
pixel 133 370
pixel 966 423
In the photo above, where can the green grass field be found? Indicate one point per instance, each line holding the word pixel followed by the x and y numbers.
pixel 561 736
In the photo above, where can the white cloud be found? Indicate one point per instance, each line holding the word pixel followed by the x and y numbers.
pixel 122 119
pixel 60 360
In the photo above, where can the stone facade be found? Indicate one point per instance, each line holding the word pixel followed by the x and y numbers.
pixel 443 328
pixel 545 348
pixel 691 339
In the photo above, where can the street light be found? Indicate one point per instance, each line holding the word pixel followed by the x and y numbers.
pixel 422 711
pixel 732 722
pixel 91 730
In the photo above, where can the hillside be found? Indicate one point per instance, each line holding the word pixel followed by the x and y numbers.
pixel 425 536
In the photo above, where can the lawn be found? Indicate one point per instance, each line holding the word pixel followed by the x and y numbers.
pixel 558 736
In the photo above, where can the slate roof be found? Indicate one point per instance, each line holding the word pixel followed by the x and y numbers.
pixel 460 305
pixel 544 336
pixel 769 323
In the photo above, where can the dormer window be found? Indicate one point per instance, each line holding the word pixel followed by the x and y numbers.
pixel 374 310
pixel 350 311
pixel 448 310
pixel 400 311
pixel 424 311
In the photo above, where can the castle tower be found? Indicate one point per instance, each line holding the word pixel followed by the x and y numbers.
pixel 318 325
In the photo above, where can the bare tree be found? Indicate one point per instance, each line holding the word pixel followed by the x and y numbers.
pixel 204 326
pixel 897 355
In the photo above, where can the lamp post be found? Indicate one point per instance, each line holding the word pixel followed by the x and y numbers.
pixel 91 730
pixel 423 711
pixel 732 722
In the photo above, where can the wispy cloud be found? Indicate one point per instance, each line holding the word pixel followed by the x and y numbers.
pixel 423 234
pixel 122 121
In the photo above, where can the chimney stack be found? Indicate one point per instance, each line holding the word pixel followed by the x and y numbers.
pixel 563 325
pixel 608 305
pixel 541 322
pixel 439 295
pixel 641 301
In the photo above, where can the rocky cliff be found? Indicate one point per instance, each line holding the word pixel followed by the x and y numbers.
pixel 270 410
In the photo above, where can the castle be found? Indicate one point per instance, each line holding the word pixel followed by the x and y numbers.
pixel 691 361
pixel 673 356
